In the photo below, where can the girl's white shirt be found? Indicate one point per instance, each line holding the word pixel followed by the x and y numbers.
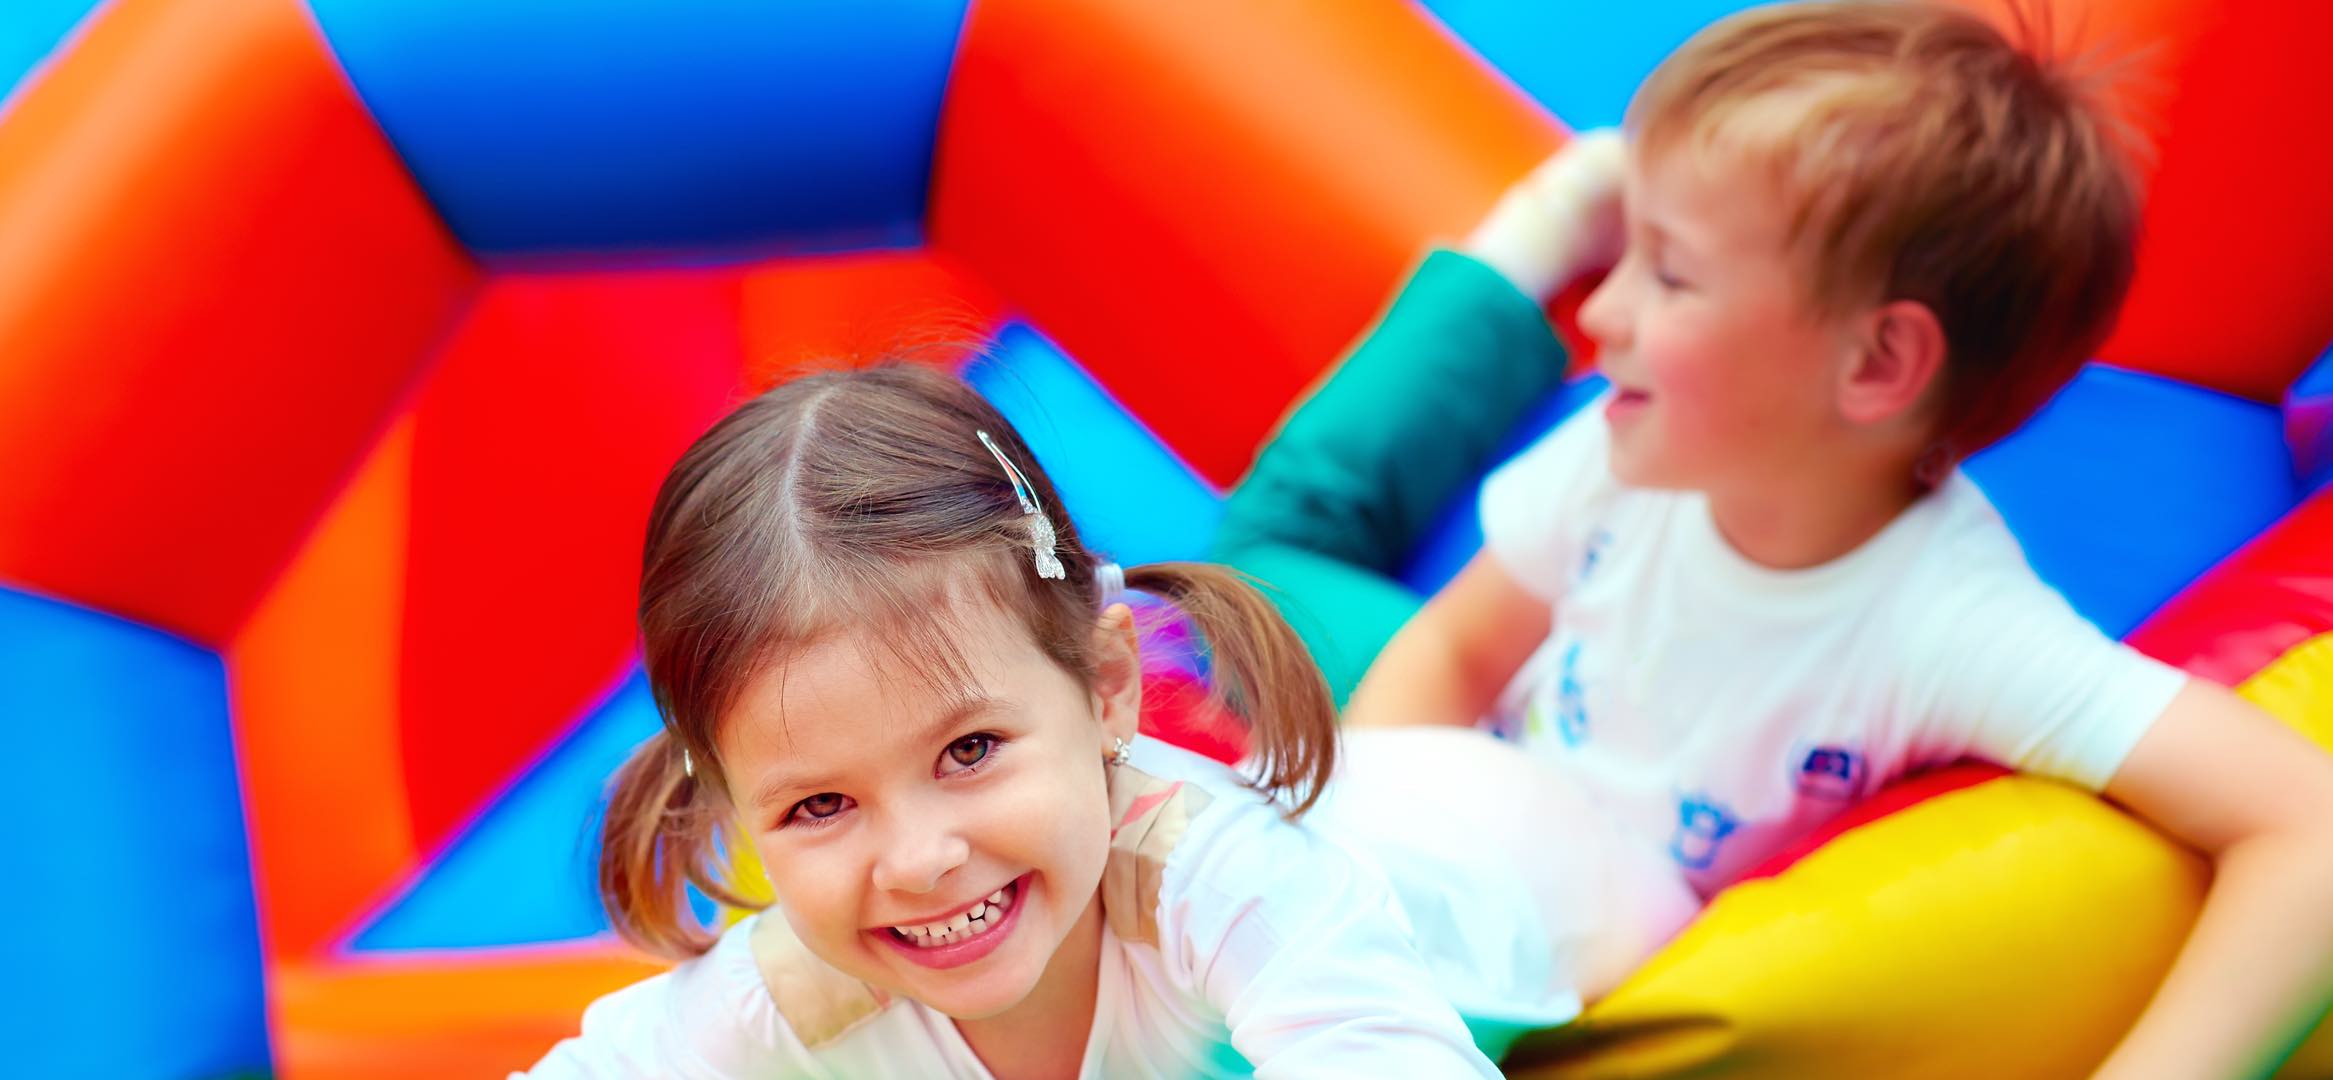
pixel 1236 944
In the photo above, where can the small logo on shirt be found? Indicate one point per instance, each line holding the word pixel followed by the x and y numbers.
pixel 1597 542
pixel 1829 772
pixel 1702 827
pixel 1506 726
pixel 1571 706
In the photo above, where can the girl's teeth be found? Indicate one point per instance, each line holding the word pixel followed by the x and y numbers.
pixel 962 926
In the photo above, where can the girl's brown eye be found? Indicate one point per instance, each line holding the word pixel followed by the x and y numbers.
pixel 970 750
pixel 823 805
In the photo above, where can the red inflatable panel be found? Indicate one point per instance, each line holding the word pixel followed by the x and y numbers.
pixel 537 449
pixel 863 306
pixel 1176 709
pixel 1203 202
pixel 2237 238
pixel 2272 595
pixel 217 282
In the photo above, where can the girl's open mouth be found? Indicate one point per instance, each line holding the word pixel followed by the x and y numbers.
pixel 967 936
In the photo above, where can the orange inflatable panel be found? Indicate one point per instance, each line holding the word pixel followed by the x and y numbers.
pixel 325 800
pixel 217 282
pixel 1204 201
pixel 390 1015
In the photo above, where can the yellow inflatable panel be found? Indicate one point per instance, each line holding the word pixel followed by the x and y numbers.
pixel 2009 930
pixel 2298 689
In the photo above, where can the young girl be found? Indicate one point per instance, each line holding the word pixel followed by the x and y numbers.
pixel 885 659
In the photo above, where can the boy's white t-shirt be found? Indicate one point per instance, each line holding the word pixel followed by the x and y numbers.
pixel 1721 709
pixel 1270 951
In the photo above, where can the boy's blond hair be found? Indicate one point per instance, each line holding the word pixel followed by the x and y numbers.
pixel 1924 157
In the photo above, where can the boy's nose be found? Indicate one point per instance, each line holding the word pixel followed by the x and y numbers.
pixel 1604 315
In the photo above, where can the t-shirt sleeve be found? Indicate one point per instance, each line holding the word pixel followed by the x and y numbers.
pixel 2015 676
pixel 1304 950
pixel 709 1019
pixel 1537 508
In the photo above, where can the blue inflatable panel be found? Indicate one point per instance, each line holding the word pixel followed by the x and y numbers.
pixel 30 32
pixel 1582 61
pixel 1132 498
pixel 131 936
pixel 2121 490
pixel 524 872
pixel 573 131
pixel 1458 535
pixel 2127 486
pixel 2308 423
pixel 2317 382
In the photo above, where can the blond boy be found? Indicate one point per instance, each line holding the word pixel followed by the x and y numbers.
pixel 1750 585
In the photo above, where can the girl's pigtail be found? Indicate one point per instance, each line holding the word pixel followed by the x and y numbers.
pixel 1261 671
pixel 658 839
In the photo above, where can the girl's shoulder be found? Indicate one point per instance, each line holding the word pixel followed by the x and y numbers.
pixel 1194 846
pixel 1165 803
pixel 713 1016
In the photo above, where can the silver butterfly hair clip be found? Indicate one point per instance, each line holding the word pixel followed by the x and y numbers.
pixel 1041 535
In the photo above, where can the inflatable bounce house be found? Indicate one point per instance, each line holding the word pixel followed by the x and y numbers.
pixel 342 343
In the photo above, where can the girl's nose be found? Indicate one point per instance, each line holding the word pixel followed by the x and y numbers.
pixel 918 853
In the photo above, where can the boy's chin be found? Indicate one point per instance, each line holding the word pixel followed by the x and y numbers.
pixel 1635 470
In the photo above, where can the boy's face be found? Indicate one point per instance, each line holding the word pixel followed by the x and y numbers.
pixel 942 843
pixel 1724 375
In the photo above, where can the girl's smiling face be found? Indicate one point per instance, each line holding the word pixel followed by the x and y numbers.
pixel 939 842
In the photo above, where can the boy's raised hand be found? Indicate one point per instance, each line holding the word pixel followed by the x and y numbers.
pixel 1561 220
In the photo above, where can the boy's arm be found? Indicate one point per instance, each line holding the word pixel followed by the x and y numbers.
pixel 1340 497
pixel 2256 974
pixel 1448 664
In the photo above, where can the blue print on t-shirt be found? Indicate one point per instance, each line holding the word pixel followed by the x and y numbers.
pixel 1505 725
pixel 1596 544
pixel 1702 827
pixel 1829 772
pixel 1571 708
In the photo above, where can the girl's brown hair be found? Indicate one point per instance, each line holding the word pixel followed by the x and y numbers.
pixel 856 499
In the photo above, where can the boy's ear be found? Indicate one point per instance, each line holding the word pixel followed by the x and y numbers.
pixel 1117 674
pixel 1900 355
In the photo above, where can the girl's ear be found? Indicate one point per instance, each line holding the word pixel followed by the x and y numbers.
pixel 1117 674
